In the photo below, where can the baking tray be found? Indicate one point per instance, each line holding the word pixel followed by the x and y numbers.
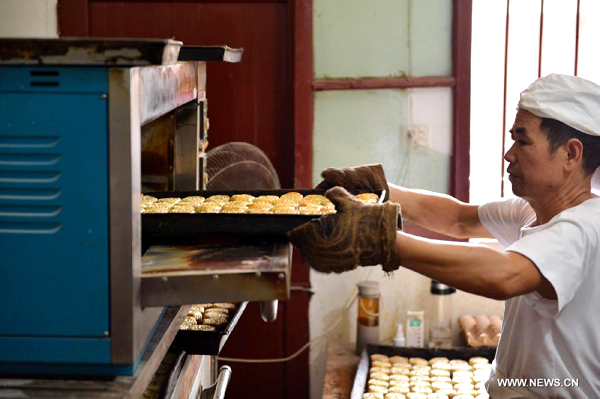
pixel 181 224
pixel 207 342
pixel 362 372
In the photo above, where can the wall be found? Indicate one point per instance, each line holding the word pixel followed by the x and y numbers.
pixel 387 38
pixel 28 18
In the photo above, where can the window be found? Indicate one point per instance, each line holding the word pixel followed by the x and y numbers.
pixel 513 43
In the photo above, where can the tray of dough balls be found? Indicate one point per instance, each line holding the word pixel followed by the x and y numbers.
pixel 387 372
pixel 168 214
pixel 207 326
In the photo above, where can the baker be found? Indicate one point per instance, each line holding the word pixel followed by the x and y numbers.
pixel 549 272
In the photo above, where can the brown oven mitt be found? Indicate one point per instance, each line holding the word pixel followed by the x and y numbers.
pixel 358 234
pixel 359 177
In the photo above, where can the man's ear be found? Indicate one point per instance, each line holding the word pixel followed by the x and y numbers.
pixel 574 150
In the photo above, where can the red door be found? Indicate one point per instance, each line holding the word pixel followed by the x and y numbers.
pixel 252 101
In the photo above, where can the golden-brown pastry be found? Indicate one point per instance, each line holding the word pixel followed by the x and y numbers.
pixel 396 389
pixel 377 389
pixel 462 367
pixel 148 199
pixel 294 196
pixel 182 209
pixel 380 357
pixel 368 198
pixel 371 395
pixel 396 383
pixel 208 208
pixel 203 328
pixel 450 393
pixel 310 211
pixel 157 209
pixel 266 198
pixel 436 395
pixel 196 200
pixel 439 373
pixel 422 389
pixel 168 200
pixel 381 383
pixel 434 360
pixel 215 322
pixel 190 320
pixel 384 370
pixel 416 395
pixel 418 360
pixel 279 209
pixel 398 359
pixel 438 385
pixel 259 211
pixel 242 197
pixel 394 395
pixel 399 377
pixel 381 363
pixel 441 366
pixel 233 209
pixel 478 360
pixel 220 199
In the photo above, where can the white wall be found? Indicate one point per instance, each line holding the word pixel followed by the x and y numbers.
pixel 28 18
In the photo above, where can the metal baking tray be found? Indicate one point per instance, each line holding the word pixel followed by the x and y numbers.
pixel 216 272
pixel 181 224
pixel 207 342
pixel 362 372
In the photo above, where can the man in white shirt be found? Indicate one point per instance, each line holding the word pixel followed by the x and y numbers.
pixel 550 269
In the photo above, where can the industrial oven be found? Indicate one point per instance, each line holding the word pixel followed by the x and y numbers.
pixel 80 120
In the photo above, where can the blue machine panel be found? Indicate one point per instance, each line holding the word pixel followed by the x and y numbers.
pixel 54 268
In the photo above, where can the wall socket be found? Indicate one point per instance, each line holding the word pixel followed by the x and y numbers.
pixel 419 134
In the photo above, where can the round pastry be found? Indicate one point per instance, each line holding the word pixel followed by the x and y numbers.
pixel 384 370
pixel 294 196
pixel 399 377
pixel 157 209
pixel 398 359
pixel 441 366
pixel 190 320
pixel 380 363
pixel 310 211
pixel 368 197
pixel 380 376
pixel 315 199
pixel 260 205
pixel 437 385
pixel 233 209
pixel 203 328
pixel 462 374
pixel 208 208
pixel 421 367
pixel 418 360
pixel 440 373
pixel 185 326
pixel 420 378
pixel 285 202
pixel 381 383
pixel 196 200
pixel 379 357
pixel 463 387
pixel 279 209
pixel 478 360
pixel 461 367
pixel 148 199
pixel 182 209
pixel 212 313
pixel 394 395
pixel 223 305
pixel 437 395
pixel 377 389
pixel 196 308
pixel 373 396
pixel 422 389
pixel 441 379
pixel 461 380
pixel 482 366
pixel 215 321
pixel 243 197
pixel 450 393
pixel 416 372
pixel 414 384
pixel 458 361
pixel 434 360
pixel 395 383
pixel 402 365
pixel 469 394
pixel 168 200
pixel 259 211
pixel 266 198
pixel 220 199
pixel 397 389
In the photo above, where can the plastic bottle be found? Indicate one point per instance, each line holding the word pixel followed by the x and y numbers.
pixel 399 339
pixel 415 328
pixel 440 333
pixel 367 325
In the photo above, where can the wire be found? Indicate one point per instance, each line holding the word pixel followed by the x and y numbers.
pixel 299 351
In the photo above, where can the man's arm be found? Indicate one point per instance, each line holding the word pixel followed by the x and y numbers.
pixel 439 212
pixel 477 269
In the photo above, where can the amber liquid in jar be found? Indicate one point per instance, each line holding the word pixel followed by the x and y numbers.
pixel 368 311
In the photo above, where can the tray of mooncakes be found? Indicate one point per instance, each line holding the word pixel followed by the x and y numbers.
pixel 391 372
pixel 207 326
pixel 257 212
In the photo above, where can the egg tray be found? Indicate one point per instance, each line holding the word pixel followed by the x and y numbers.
pixel 362 372
pixel 193 224
pixel 207 342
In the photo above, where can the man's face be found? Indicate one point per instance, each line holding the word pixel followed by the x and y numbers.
pixel 533 171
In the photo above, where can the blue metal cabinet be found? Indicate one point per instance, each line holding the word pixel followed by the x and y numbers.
pixel 54 239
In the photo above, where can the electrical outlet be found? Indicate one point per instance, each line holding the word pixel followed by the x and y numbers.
pixel 419 134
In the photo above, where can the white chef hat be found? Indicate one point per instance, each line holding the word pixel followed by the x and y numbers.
pixel 571 100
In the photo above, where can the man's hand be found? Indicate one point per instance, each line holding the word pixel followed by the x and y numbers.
pixel 358 234
pixel 360 177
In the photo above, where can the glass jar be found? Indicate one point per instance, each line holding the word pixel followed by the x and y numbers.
pixel 441 315
pixel 367 324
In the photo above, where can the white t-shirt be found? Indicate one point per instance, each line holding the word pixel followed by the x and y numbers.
pixel 552 339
